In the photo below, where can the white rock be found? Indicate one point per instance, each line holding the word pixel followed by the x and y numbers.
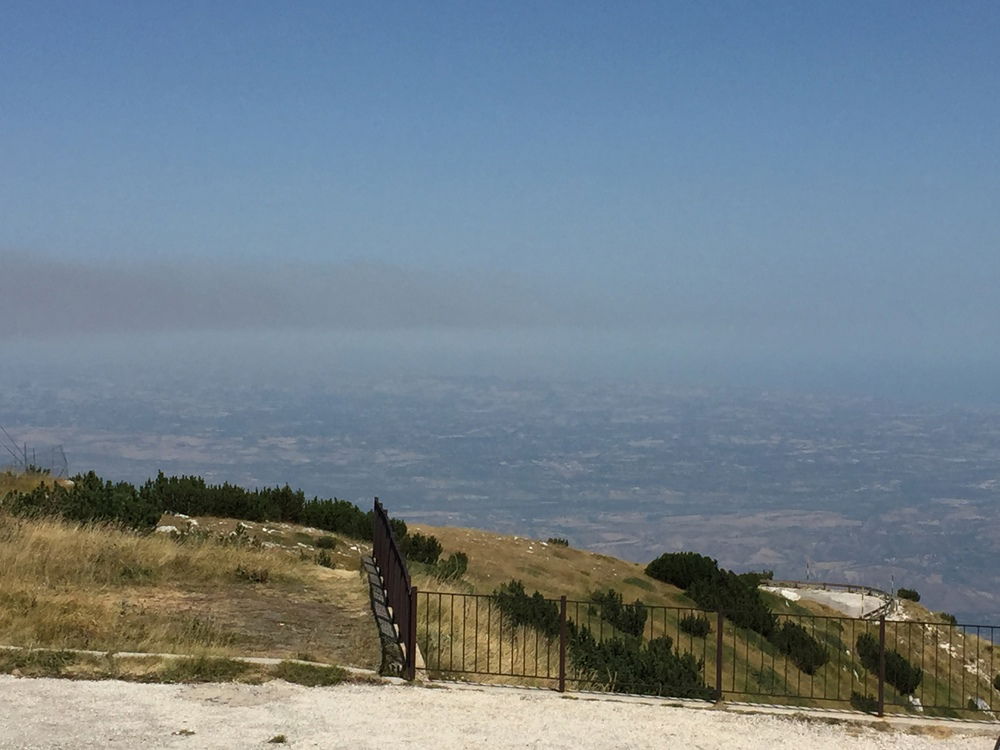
pixel 166 530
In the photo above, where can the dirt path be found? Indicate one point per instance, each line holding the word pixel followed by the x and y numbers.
pixel 83 715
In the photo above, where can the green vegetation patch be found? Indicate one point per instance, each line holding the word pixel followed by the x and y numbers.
pixel 639 582
pixel 36 663
pixel 204 669
pixel 310 675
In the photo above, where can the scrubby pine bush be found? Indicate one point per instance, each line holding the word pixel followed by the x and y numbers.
pixel 866 703
pixel 420 548
pixel 94 499
pixel 898 671
pixel 628 665
pixel 948 618
pixel 325 542
pixel 682 568
pixel 739 601
pixel 910 594
pixel 695 625
pixel 996 682
pixel 794 641
pixel 91 499
pixel 453 567
pixel 558 541
pixel 520 609
pixel 628 618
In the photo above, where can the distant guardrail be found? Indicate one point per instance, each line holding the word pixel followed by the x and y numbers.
pixel 851 588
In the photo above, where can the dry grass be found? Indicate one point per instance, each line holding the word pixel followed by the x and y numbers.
pixel 64 585
pixel 80 666
pixel 19 481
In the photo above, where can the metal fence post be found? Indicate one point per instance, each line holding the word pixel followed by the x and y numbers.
pixel 881 665
pixel 411 636
pixel 719 622
pixel 562 644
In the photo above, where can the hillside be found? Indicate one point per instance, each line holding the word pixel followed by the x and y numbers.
pixel 957 668
pixel 227 587
pixel 254 592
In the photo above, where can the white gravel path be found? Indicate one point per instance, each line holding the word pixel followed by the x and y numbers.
pixel 42 713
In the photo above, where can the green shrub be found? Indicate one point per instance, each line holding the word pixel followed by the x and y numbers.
pixel 756 577
pixel 794 641
pixel 898 671
pixel 325 559
pixel 719 590
pixel 311 675
pixel 996 682
pixel 695 625
pixel 682 568
pixel 948 618
pixel 910 594
pixel 866 703
pixel 739 601
pixel 558 541
pixel 94 499
pixel 453 567
pixel 628 665
pixel 326 542
pixel 421 549
pixel 520 609
pixel 628 618
pixel 203 669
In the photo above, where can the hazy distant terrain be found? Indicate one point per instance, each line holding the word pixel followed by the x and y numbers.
pixel 859 489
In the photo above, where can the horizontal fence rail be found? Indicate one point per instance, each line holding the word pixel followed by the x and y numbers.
pixel 400 593
pixel 879 666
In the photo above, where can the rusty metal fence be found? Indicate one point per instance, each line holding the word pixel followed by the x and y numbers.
pixel 690 653
pixel 401 595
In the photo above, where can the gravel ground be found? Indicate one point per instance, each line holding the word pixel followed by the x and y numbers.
pixel 42 713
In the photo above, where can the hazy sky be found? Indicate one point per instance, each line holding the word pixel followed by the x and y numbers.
pixel 717 186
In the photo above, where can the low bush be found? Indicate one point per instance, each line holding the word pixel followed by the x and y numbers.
pixel 94 499
pixel 629 665
pixel 310 675
pixel 203 669
pixel 421 549
pixel 558 541
pixel 520 609
pixel 996 682
pixel 910 594
pixel 628 618
pixel 948 618
pixel 898 671
pixel 452 568
pixel 866 703
pixel 325 559
pixel 739 601
pixel 695 625
pixel 797 644
pixel 682 568
pixel 326 542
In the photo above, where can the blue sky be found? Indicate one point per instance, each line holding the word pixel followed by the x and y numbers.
pixel 800 181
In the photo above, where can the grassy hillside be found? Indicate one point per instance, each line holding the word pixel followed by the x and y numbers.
pixel 957 666
pixel 223 587
pixel 217 591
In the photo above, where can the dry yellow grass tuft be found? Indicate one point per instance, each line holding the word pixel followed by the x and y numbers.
pixel 63 585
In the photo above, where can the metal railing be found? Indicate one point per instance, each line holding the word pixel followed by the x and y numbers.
pixel 870 665
pixel 400 593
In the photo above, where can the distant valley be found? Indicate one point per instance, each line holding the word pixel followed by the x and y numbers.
pixel 835 488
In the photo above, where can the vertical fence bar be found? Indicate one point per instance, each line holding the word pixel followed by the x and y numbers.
pixel 881 665
pixel 719 621
pixel 411 636
pixel 562 643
